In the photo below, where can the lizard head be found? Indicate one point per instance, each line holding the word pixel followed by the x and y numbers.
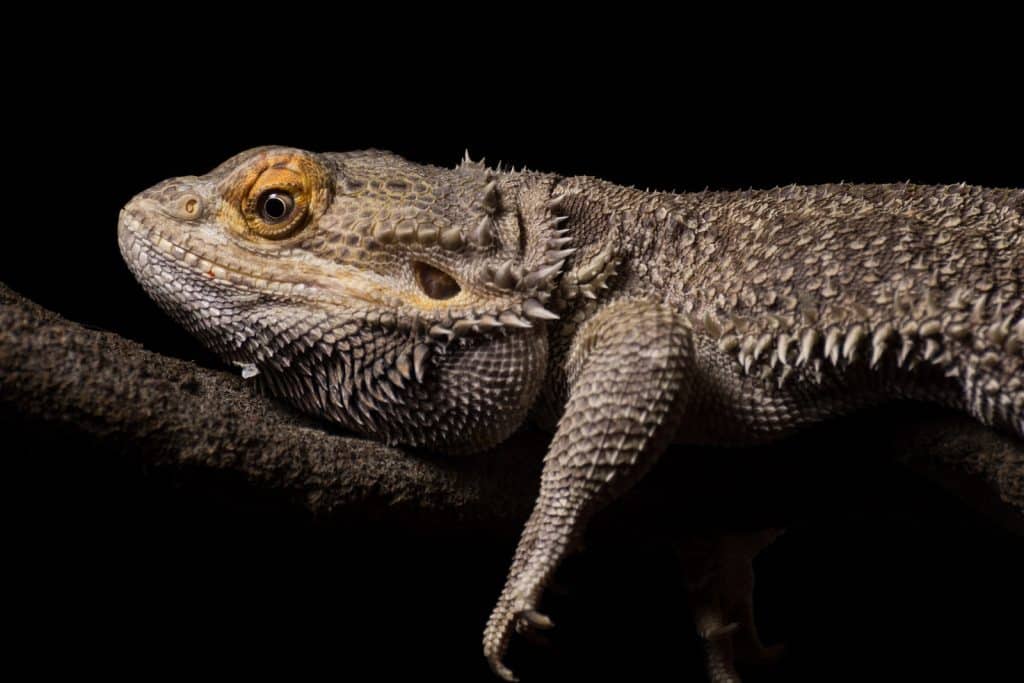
pixel 405 302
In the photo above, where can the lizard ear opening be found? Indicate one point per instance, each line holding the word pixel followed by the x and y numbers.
pixel 435 283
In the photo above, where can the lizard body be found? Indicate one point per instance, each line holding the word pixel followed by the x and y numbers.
pixel 440 308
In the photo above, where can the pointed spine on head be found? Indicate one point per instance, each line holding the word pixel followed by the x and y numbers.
pixel 490 201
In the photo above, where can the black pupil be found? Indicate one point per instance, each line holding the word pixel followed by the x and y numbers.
pixel 275 207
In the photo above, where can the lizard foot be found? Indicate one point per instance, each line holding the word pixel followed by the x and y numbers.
pixel 519 616
pixel 727 651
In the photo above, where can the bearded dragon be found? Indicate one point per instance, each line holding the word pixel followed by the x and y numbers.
pixel 442 308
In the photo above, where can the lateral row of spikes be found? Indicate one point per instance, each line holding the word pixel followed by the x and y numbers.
pixel 989 396
pixel 450 239
pixel 532 309
pixel 836 345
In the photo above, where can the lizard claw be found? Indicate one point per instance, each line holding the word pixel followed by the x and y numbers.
pixel 502 671
pixel 721 631
pixel 531 617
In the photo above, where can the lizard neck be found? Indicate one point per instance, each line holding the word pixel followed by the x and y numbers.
pixel 618 234
pixel 640 244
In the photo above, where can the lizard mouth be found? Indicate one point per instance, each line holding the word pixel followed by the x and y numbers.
pixel 141 242
pixel 170 255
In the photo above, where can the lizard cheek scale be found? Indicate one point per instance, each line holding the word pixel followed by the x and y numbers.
pixel 443 307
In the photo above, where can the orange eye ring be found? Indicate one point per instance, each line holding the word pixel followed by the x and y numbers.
pixel 277 203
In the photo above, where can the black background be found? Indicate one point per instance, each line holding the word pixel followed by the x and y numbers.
pixel 125 570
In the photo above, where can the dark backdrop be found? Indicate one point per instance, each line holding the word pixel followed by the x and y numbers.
pixel 123 569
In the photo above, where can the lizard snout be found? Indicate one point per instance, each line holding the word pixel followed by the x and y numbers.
pixel 175 199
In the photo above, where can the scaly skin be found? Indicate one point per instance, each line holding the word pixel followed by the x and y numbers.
pixel 439 308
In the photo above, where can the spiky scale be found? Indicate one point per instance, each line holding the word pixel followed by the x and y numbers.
pixel 879 342
pixel 747 360
pixel 535 309
pixel 539 277
pixel 505 277
pixel 729 343
pixel 463 327
pixel 832 340
pixel 384 233
pixel 762 344
pixel 488 322
pixel 451 239
pixel 978 310
pixel 404 365
pixel 440 331
pixel 930 328
pixel 959 331
pixel 905 349
pixel 427 235
pixel 997 334
pixel 553 256
pixel 387 388
pixel 483 234
pixel 711 326
pixel 782 348
pixel 512 320
pixel 852 341
pixel 808 341
pixel 420 355
pixel 489 201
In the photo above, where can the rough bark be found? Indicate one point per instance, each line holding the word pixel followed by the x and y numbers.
pixel 166 411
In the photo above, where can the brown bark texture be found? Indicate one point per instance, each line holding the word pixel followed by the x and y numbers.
pixel 169 412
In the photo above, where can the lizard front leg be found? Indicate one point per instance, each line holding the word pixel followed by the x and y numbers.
pixel 630 373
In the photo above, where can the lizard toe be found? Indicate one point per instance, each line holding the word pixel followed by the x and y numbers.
pixel 531 618
pixel 500 670
pixel 497 635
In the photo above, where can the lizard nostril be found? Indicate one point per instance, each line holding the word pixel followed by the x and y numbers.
pixel 188 207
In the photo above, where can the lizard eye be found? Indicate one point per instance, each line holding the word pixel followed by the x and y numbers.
pixel 277 203
pixel 275 206
pixel 435 283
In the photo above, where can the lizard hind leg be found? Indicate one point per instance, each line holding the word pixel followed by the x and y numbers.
pixel 720 579
pixel 630 374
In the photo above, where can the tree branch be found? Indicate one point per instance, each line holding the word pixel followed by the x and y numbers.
pixel 167 411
